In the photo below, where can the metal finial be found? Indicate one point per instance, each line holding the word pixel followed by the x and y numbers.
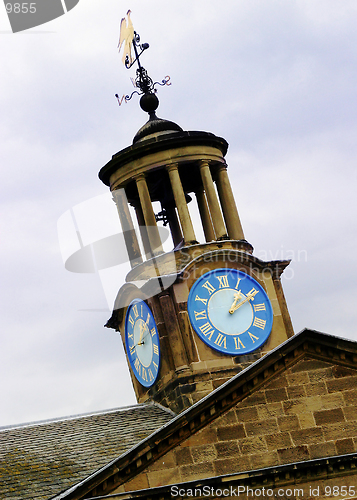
pixel 129 38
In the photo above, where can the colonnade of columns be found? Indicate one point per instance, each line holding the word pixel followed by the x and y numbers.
pixel 219 215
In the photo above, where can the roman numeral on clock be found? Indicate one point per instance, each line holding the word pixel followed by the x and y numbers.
pixel 209 287
pixel 200 314
pixel 207 329
pixel 260 323
pixel 223 281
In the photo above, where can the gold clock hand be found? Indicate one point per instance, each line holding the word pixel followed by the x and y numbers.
pixel 250 296
pixel 237 296
pixel 143 327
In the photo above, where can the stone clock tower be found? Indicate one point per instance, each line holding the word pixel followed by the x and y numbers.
pixel 192 318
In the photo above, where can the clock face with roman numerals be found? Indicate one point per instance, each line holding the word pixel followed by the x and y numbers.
pixel 142 342
pixel 230 311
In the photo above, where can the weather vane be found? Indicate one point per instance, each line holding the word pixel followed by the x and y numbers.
pixel 129 39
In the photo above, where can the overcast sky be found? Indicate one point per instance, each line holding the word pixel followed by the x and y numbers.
pixel 276 78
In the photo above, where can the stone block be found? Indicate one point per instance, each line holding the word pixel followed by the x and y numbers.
pixel 228 418
pixel 276 395
pixel 204 436
pixel 317 389
pixel 262 460
pixel 329 416
pixel 350 412
pixel 288 423
pixel 316 376
pixel 196 471
pixel 350 397
pixel 322 450
pixel 341 384
pixel 278 382
pixel 344 446
pixel 231 432
pixel 302 405
pixel 297 391
pixel 254 399
pixel 227 449
pixel 310 365
pixel 253 445
pixel 333 400
pixel 298 378
pixel 183 456
pixel 167 461
pixel 269 426
pixel 296 454
pixel 139 482
pixel 306 420
pixel 278 440
pixel 270 410
pixel 205 385
pixel 335 431
pixel 247 414
pixel 343 371
pixel 307 436
pixel 230 465
pixel 204 453
pixel 164 476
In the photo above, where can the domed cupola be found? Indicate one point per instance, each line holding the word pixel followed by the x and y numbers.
pixel 149 103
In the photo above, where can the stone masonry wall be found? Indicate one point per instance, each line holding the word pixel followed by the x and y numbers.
pixel 309 412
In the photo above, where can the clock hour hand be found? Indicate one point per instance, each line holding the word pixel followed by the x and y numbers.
pixel 237 296
pixel 141 339
pixel 250 296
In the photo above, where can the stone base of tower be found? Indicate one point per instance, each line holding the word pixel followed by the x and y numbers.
pixel 186 389
pixel 189 368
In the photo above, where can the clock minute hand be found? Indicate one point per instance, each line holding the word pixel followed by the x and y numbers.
pixel 142 328
pixel 250 296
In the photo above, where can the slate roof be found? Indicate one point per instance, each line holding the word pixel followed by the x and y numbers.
pixel 38 461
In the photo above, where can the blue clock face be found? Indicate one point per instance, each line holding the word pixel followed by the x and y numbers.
pixel 142 342
pixel 230 311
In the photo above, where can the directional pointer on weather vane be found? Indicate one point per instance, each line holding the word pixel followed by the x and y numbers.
pixel 129 39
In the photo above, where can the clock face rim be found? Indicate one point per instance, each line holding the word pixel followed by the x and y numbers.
pixel 155 356
pixel 253 335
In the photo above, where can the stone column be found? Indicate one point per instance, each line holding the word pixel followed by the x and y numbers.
pixel 142 229
pixel 182 208
pixel 149 215
pixel 215 210
pixel 230 212
pixel 205 215
pixel 131 241
pixel 173 224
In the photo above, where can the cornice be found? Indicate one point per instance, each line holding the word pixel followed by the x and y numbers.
pixel 297 474
pixel 160 143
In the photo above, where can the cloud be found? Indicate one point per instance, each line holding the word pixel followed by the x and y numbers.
pixel 276 79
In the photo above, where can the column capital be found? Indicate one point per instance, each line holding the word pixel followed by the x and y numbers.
pixel 139 177
pixel 203 163
pixel 172 166
pixel 222 166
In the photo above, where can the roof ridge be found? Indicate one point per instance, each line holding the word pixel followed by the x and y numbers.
pixel 82 415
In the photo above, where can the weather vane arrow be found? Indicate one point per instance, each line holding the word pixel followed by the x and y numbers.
pixel 129 38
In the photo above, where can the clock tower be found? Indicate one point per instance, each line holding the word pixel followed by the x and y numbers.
pixel 191 318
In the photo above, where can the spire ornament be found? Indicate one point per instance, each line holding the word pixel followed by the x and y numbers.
pixel 129 39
